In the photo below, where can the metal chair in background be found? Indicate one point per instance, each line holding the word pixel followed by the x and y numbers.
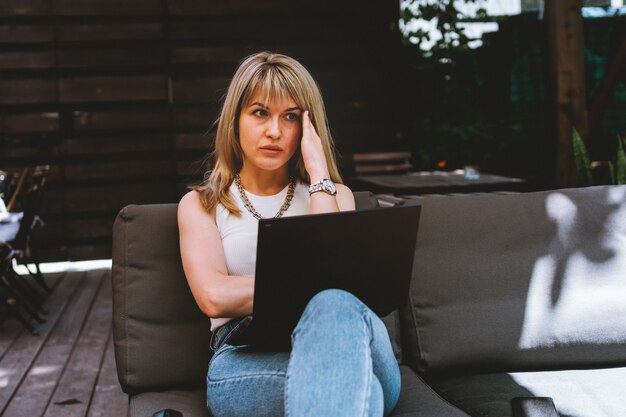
pixel 31 204
pixel 19 296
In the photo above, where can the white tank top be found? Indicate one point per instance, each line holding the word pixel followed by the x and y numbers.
pixel 239 233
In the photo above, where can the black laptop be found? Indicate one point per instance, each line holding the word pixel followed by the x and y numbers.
pixel 367 252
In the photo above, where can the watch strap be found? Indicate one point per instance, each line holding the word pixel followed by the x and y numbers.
pixel 326 185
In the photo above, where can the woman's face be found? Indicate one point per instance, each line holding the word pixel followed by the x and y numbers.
pixel 269 133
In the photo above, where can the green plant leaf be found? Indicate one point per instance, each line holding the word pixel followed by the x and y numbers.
pixel 581 158
pixel 620 163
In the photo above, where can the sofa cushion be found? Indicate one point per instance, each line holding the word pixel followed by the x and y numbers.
pixel 519 282
pixel 576 393
pixel 161 336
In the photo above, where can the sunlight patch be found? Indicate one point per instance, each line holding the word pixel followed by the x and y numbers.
pixel 55 267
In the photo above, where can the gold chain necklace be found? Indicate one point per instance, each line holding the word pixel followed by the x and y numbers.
pixel 250 207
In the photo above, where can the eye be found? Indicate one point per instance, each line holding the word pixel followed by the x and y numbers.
pixel 292 117
pixel 260 112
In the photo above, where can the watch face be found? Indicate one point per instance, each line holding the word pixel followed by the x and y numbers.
pixel 330 186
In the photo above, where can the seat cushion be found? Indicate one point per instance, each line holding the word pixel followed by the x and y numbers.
pixel 576 393
pixel 519 282
pixel 416 399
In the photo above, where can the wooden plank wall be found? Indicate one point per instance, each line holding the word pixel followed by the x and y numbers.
pixel 118 97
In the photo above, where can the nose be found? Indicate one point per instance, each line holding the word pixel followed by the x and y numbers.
pixel 273 128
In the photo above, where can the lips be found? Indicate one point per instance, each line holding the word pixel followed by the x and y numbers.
pixel 271 148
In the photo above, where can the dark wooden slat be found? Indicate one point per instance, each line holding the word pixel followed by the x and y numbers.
pixel 106 8
pixel 20 168
pixel 107 57
pixel 183 186
pixel 94 120
pixel 18 360
pixel 108 399
pixel 111 198
pixel 27 91
pixel 262 31
pixel 192 7
pixel 312 51
pixel 31 153
pixel 26 60
pixel 109 32
pixel 25 8
pixel 198 117
pixel 26 33
pixel 194 141
pixel 112 144
pixel 106 170
pixel 85 360
pixel 190 168
pixel 206 54
pixel 29 122
pixel 341 52
pixel 76 228
pixel 200 90
pixel 95 89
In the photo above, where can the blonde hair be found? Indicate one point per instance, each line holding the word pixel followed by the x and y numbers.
pixel 277 77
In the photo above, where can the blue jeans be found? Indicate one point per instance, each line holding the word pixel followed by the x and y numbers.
pixel 341 364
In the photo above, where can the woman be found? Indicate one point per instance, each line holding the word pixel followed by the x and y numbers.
pixel 274 157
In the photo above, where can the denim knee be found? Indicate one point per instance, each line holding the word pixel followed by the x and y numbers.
pixel 335 299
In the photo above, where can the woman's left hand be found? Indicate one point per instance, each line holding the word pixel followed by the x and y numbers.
pixel 312 151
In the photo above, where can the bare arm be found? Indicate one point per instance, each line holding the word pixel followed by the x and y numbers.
pixel 216 293
pixel 326 203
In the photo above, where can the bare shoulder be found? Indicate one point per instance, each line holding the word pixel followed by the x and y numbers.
pixel 189 202
pixel 345 198
pixel 191 209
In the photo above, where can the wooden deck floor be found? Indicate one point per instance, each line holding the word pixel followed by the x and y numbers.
pixel 69 369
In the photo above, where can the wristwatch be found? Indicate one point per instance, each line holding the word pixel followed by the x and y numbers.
pixel 326 185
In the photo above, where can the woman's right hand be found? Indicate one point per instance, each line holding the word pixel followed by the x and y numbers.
pixel 313 154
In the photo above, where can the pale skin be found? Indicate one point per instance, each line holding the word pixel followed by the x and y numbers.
pixel 269 134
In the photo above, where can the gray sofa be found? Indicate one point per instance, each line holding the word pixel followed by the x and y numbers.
pixel 517 295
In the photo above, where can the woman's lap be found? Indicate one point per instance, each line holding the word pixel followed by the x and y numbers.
pixel 245 381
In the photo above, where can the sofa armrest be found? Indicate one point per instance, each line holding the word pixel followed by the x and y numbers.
pixel 161 336
pixel 533 407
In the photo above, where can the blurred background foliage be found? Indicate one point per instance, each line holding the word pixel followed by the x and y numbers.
pixel 479 97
